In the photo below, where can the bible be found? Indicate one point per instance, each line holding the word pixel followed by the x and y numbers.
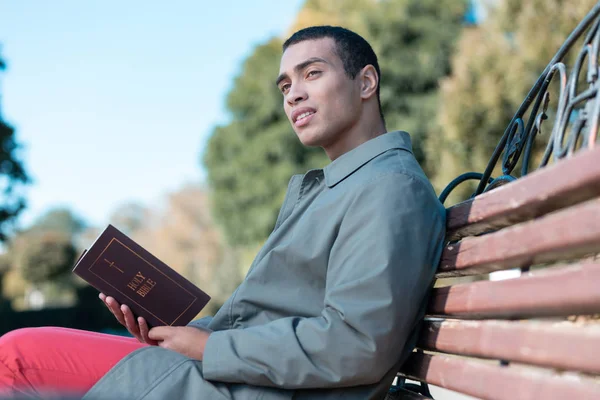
pixel 119 267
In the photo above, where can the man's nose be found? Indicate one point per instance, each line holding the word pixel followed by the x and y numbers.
pixel 296 95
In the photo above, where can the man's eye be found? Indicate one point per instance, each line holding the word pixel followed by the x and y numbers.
pixel 284 88
pixel 313 73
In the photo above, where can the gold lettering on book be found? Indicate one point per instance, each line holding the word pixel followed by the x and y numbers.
pixel 137 280
pixel 112 264
pixel 146 287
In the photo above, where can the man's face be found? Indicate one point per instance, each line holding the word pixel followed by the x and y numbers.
pixel 320 100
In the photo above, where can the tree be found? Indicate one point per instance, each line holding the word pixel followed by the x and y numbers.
pixel 12 175
pixel 414 40
pixel 44 260
pixel 61 220
pixel 495 66
pixel 5 266
pixel 14 288
pixel 349 13
pixel 41 257
pixel 46 256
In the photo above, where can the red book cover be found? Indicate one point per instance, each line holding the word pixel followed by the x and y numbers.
pixel 119 267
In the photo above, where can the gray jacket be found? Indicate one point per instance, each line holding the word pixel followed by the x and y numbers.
pixel 330 305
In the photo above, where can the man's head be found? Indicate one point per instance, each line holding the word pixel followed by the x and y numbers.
pixel 329 78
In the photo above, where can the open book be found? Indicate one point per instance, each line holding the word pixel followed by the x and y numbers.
pixel 119 267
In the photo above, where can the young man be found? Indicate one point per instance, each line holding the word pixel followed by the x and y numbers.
pixel 330 306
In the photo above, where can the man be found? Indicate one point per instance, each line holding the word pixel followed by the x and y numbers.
pixel 330 306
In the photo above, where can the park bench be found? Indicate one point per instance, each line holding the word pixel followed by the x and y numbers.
pixel 536 336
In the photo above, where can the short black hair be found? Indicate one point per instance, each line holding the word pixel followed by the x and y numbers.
pixel 354 51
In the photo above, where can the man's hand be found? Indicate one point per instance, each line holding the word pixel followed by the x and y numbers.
pixel 183 339
pixel 138 329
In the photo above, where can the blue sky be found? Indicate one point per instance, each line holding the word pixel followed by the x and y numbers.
pixel 114 100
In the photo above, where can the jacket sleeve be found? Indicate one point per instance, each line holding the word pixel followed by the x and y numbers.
pixel 380 269
pixel 201 323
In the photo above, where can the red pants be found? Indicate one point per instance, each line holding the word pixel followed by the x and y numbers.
pixel 58 360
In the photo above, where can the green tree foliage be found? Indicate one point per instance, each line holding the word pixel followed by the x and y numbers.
pixel 5 266
pixel 495 66
pixel 42 256
pixel 61 220
pixel 250 160
pixel 12 175
pixel 347 13
pixel 414 40
pixel 46 256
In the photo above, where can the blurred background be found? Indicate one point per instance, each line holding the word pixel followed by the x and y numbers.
pixel 164 120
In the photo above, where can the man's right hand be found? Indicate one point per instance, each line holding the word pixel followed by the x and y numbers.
pixel 125 316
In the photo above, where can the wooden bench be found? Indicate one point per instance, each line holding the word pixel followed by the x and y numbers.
pixel 536 336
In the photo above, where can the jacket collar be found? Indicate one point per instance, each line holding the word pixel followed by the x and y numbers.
pixel 352 161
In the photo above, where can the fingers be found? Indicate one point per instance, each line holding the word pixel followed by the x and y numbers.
pixel 114 308
pixel 131 323
pixel 160 333
pixel 161 336
pixel 144 329
pixel 124 315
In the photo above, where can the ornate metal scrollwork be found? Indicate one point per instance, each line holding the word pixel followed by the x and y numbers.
pixel 576 119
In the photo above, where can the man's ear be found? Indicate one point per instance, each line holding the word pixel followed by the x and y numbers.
pixel 368 82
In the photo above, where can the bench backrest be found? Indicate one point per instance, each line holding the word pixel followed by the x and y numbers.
pixel 549 221
pixel 536 336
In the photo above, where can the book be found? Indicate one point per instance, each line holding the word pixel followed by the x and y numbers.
pixel 119 267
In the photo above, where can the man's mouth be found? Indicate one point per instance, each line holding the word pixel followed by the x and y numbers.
pixel 304 118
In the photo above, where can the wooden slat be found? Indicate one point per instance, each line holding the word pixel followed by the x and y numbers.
pixel 565 183
pixel 564 235
pixel 560 345
pixel 558 291
pixel 495 382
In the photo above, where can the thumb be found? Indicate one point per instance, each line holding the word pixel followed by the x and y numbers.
pixel 160 333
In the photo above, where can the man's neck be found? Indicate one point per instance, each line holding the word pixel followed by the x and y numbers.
pixel 360 134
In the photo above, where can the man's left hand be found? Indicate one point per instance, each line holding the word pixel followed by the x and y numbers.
pixel 183 339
